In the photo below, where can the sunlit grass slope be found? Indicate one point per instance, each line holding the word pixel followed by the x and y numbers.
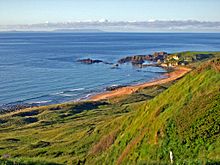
pixel 66 133
pixel 182 117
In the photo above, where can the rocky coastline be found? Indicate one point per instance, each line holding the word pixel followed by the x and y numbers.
pixel 157 59
pixel 137 60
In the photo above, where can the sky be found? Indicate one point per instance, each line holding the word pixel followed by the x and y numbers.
pixel 40 11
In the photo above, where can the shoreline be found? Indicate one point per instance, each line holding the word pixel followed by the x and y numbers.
pixel 177 72
pixel 171 76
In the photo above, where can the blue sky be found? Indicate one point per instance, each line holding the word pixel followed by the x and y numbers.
pixel 37 11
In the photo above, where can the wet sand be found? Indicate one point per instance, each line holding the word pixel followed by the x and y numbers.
pixel 177 73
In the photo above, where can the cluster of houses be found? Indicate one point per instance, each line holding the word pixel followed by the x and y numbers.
pixel 159 58
pixel 169 60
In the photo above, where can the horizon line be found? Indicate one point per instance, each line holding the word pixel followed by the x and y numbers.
pixel 112 21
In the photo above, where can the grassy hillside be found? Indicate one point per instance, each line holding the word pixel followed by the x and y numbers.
pixel 66 133
pixel 185 119
pixel 182 117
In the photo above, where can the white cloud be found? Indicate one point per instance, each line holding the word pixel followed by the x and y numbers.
pixel 103 24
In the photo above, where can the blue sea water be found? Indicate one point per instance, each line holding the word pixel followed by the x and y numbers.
pixel 42 67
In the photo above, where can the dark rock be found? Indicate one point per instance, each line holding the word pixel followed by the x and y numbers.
pixel 156 54
pixel 137 59
pixel 114 87
pixel 149 57
pixel 89 61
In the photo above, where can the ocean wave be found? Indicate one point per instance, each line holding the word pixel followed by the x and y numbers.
pixel 67 92
pixel 57 93
pixel 88 95
pixel 67 95
pixel 114 85
pixel 29 100
pixel 40 102
pixel 84 97
pixel 25 102
pixel 76 89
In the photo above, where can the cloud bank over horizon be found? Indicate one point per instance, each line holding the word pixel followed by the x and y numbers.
pixel 121 26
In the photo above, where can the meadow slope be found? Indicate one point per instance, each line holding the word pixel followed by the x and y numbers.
pixel 142 128
pixel 184 119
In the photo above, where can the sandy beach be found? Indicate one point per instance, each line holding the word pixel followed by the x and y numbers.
pixel 177 73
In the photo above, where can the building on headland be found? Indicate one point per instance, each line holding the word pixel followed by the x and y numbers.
pixel 175 57
pixel 161 59
pixel 170 57
pixel 173 63
pixel 171 60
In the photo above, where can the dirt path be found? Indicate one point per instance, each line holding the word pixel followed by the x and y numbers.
pixel 177 73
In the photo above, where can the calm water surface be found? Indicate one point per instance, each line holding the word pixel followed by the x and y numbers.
pixel 43 68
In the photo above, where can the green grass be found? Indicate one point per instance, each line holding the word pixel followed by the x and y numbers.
pixel 182 116
pixel 64 133
pixel 184 119
pixel 68 132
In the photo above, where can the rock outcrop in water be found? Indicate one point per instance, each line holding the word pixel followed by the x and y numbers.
pixel 89 61
pixel 137 59
pixel 140 59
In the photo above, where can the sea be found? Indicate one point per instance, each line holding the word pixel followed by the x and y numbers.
pixel 42 67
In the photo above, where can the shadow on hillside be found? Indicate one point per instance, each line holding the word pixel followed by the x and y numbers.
pixel 79 107
pixel 28 113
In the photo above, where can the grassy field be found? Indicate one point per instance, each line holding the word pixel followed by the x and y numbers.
pixel 65 133
pixel 142 128
pixel 183 119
